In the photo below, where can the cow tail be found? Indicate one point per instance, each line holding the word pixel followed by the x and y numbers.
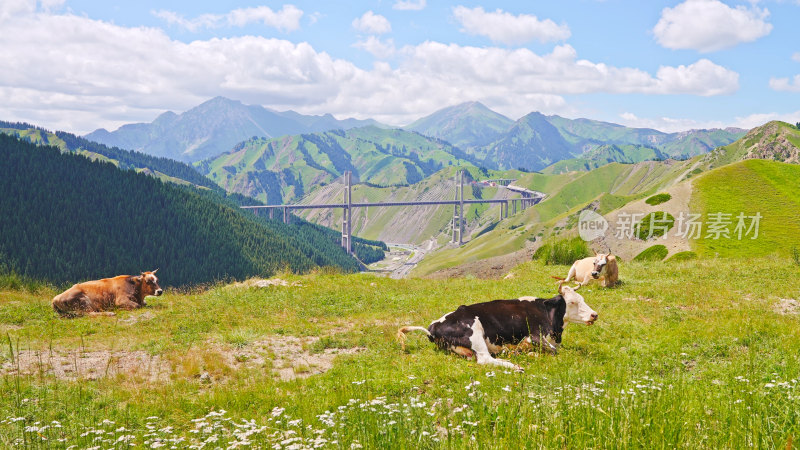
pixel 401 334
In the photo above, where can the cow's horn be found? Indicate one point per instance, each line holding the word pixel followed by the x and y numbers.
pixel 561 287
pixel 577 286
pixel 155 271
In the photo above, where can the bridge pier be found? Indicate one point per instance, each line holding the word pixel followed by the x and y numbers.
pixel 287 216
pixel 458 209
pixel 347 242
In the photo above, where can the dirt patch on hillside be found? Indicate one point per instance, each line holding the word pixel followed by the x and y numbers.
pixel 288 357
pixel 89 365
pixel 262 283
pixel 787 306
pixel 490 268
pixel 629 247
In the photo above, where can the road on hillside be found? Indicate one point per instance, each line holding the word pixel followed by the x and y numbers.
pixel 400 262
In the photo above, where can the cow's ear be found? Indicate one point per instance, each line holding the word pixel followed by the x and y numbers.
pixel 136 280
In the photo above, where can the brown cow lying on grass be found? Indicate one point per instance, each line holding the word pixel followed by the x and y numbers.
pixel 95 297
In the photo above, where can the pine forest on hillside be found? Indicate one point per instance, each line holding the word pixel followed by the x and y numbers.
pixel 70 219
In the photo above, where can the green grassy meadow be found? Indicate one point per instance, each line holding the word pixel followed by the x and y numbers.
pixel 691 354
pixel 750 187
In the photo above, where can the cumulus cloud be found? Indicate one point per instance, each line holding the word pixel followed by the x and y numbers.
pixel 785 84
pixel 372 23
pixel 286 19
pixel 409 5
pixel 73 73
pixel 701 78
pixel 378 48
pixel 672 125
pixel 666 124
pixel 561 72
pixel 710 25
pixel 500 26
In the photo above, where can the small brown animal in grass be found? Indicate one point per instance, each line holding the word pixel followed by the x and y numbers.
pixel 98 296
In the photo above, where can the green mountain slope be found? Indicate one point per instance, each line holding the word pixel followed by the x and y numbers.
pixel 775 140
pixel 697 142
pixel 466 125
pixel 750 187
pixel 416 224
pixel 163 168
pixel 729 180
pixel 75 219
pixel 212 128
pixel 605 154
pixel 536 141
pixel 285 169
pixel 604 189
pixel 532 144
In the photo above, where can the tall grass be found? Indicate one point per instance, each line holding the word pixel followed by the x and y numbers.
pixel 693 358
pixel 10 280
pixel 562 251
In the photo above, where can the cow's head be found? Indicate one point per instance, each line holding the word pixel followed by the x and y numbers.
pixel 600 262
pixel 150 284
pixel 577 309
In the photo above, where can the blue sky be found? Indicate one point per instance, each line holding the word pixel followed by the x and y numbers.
pixel 78 65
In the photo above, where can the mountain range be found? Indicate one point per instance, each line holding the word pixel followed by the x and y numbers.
pixel 214 127
pixel 536 141
pixel 284 169
pixel 405 164
pixel 487 138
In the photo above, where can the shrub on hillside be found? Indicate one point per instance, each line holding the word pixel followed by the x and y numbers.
pixel 654 253
pixel 658 199
pixel 682 256
pixel 563 251
pixel 655 224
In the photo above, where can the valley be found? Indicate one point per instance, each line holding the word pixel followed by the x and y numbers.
pixel 587 164
pixel 400 225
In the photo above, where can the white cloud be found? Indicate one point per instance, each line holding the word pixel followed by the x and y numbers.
pixel 9 8
pixel 379 49
pixel 785 84
pixel 701 78
pixel 672 125
pixel 286 19
pixel 372 23
pixel 500 26
pixel 70 72
pixel 666 124
pixel 560 72
pixel 758 119
pixel 710 25
pixel 409 5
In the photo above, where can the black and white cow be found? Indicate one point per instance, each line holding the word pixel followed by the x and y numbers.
pixel 483 329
